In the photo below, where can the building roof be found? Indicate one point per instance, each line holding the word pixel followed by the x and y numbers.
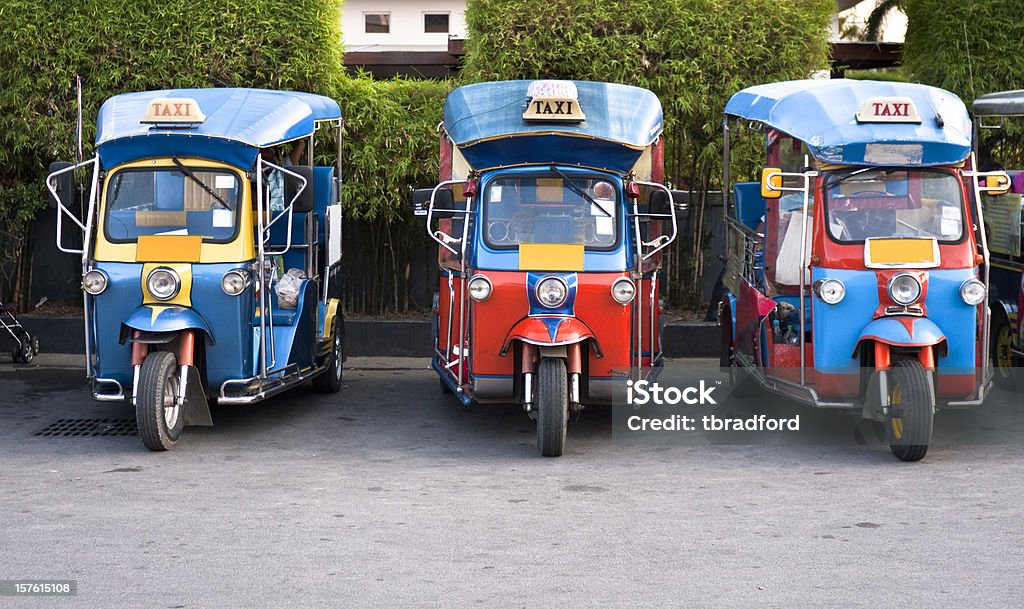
pixel 237 124
pixel 823 113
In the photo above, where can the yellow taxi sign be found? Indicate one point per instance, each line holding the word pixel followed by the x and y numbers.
pixel 182 110
pixel 553 101
pixel 888 110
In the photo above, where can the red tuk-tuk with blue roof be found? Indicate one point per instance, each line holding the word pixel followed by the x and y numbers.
pixel 855 276
pixel 550 221
pixel 209 268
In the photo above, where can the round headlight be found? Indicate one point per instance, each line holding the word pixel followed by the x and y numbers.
pixel 623 290
pixel 552 292
pixel 904 289
pixel 234 282
pixel 973 292
pixel 163 283
pixel 830 291
pixel 479 288
pixel 94 282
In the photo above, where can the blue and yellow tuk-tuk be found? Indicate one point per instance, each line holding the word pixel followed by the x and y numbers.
pixel 550 220
pixel 1003 223
pixel 209 267
pixel 855 278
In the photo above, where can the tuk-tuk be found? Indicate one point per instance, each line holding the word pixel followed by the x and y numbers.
pixel 209 269
pixel 855 278
pixel 1003 223
pixel 550 219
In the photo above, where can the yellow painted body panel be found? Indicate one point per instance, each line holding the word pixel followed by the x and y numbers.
pixel 901 251
pixel 242 248
pixel 329 315
pixel 184 295
pixel 550 257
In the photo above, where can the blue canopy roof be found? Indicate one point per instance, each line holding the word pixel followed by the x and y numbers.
pixel 485 121
pixel 238 123
pixel 822 113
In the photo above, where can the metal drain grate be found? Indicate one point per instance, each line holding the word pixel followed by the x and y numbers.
pixel 82 428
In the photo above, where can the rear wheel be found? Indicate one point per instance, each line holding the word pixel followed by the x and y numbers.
pixel 330 380
pixel 552 406
pixel 911 414
pixel 1003 360
pixel 157 413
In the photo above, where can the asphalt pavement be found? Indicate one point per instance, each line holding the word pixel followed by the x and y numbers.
pixel 392 494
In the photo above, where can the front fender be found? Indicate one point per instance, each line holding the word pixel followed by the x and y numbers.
pixel 167 318
pixel 550 331
pixel 902 332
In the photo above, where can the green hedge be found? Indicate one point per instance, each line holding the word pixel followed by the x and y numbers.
pixel 694 54
pixel 971 48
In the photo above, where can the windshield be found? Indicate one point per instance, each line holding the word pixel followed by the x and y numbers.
pixel 873 203
pixel 172 201
pixel 551 208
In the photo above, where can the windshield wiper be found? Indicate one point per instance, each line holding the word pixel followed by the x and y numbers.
pixel 837 178
pixel 576 189
pixel 209 191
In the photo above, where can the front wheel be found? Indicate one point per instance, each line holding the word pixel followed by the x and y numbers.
pixel 157 413
pixel 552 406
pixel 911 413
pixel 329 381
pixel 1003 360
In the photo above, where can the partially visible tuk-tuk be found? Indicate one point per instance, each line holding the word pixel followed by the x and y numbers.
pixel 855 277
pixel 1003 112
pixel 209 267
pixel 550 220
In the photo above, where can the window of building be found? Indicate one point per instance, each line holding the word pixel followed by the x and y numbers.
pixel 377 23
pixel 435 23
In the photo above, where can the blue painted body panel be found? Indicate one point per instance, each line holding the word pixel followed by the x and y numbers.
pixel 838 328
pixel 238 123
pixel 295 343
pixel 822 114
pixel 168 318
pixel 891 331
pixel 483 257
pixel 568 308
pixel 485 120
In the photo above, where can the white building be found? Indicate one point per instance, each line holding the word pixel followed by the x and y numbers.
pixel 401 25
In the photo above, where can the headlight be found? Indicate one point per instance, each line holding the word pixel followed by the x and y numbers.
pixel 94 282
pixel 904 289
pixel 163 283
pixel 623 291
pixel 830 291
pixel 479 288
pixel 234 282
pixel 973 292
pixel 552 292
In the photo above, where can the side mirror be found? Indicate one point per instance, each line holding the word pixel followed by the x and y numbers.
pixel 421 201
pixel 292 184
pixel 444 199
pixel 65 184
pixel 659 203
pixel 997 184
pixel 771 182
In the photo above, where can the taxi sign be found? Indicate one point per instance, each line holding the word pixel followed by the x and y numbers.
pixel 888 110
pixel 553 101
pixel 182 110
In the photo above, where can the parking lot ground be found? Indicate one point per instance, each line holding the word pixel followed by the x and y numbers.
pixel 391 494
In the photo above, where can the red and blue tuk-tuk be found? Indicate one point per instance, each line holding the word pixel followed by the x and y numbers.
pixel 550 219
pixel 855 276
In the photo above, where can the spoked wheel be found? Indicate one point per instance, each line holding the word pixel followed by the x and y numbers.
pixel 157 413
pixel 330 380
pixel 552 406
pixel 1003 360
pixel 909 422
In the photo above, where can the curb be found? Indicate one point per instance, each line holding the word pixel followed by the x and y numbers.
pixel 375 338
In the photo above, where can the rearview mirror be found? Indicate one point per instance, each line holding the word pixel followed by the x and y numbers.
pixel 292 184
pixel 65 185
pixel 771 182
pixel 659 203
